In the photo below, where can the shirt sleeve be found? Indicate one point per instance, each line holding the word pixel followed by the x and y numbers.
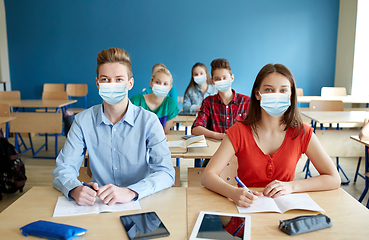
pixel 306 137
pixel 203 115
pixel 173 94
pixel 162 173
pixel 172 109
pixel 188 107
pixel 70 160
pixel 234 135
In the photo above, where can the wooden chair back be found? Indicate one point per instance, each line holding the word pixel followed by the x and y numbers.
pixel 53 87
pixel 228 174
pixel 333 91
pixel 30 122
pixel 326 105
pixel 61 95
pixel 77 90
pixel 299 92
pixel 4 110
pixel 10 95
pixel 84 175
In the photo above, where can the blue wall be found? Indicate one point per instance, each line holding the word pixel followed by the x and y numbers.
pixel 53 41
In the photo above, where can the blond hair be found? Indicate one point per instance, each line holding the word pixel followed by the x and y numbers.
pixel 162 70
pixel 113 55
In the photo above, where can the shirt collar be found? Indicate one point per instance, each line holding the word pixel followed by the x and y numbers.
pixel 128 117
pixel 234 97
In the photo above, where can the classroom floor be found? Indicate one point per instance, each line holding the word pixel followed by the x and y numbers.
pixel 39 171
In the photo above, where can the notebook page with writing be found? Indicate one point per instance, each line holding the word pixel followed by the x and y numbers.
pixel 300 201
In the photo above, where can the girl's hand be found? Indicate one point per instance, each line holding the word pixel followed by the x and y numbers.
pixel 277 188
pixel 243 198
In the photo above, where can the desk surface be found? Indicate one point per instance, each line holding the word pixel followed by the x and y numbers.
pixel 6 119
pixel 39 203
pixel 349 217
pixel 186 120
pixel 345 99
pixel 356 138
pixel 201 152
pixel 38 103
pixel 355 117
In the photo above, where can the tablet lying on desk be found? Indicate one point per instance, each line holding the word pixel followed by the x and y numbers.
pixel 144 226
pixel 221 226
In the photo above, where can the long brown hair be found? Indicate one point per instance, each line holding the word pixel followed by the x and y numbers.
pixel 291 117
pixel 192 82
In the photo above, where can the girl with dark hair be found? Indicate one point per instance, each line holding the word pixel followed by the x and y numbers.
pixel 268 143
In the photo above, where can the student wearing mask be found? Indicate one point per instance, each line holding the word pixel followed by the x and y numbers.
pixel 172 92
pixel 199 88
pixel 219 112
pixel 158 102
pixel 269 143
pixel 128 155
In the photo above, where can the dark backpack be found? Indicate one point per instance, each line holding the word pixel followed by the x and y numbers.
pixel 12 170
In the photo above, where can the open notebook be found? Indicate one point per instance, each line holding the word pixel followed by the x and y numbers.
pixel 182 145
pixel 281 204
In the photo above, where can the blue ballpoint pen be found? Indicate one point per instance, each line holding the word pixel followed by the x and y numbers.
pixel 87 185
pixel 242 185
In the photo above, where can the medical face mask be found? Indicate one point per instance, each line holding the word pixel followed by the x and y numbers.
pixel 223 85
pixel 200 79
pixel 275 104
pixel 159 90
pixel 113 93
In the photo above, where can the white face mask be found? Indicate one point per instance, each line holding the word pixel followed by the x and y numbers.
pixel 200 79
pixel 113 93
pixel 160 91
pixel 223 85
pixel 275 104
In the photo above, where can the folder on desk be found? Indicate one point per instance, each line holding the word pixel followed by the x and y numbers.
pixel 181 146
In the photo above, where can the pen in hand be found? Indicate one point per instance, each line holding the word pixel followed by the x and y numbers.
pixel 242 185
pixel 87 185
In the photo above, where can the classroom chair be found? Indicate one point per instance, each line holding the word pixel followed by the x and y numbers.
pixel 299 92
pixel 5 112
pixel 325 105
pixel 10 95
pixel 77 90
pixel 228 174
pixel 29 122
pixel 51 95
pixel 53 87
pixel 333 91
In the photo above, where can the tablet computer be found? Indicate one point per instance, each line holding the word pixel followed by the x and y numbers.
pixel 144 226
pixel 221 226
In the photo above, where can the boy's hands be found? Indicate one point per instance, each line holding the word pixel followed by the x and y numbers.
pixel 109 194
pixel 84 195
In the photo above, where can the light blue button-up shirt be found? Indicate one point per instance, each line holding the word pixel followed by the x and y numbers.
pixel 194 97
pixel 132 153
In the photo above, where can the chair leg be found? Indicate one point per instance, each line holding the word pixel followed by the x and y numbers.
pixel 343 172
pixel 307 169
pixel 357 170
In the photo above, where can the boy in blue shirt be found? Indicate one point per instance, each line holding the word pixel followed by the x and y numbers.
pixel 128 154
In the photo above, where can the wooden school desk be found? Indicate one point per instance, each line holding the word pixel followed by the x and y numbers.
pixel 39 203
pixel 349 217
pixel 196 153
pixel 354 118
pixel 38 103
pixel 366 168
pixel 344 99
pixel 186 120
pixel 6 120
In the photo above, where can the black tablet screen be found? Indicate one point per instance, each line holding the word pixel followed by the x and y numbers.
pixel 144 226
pixel 221 227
